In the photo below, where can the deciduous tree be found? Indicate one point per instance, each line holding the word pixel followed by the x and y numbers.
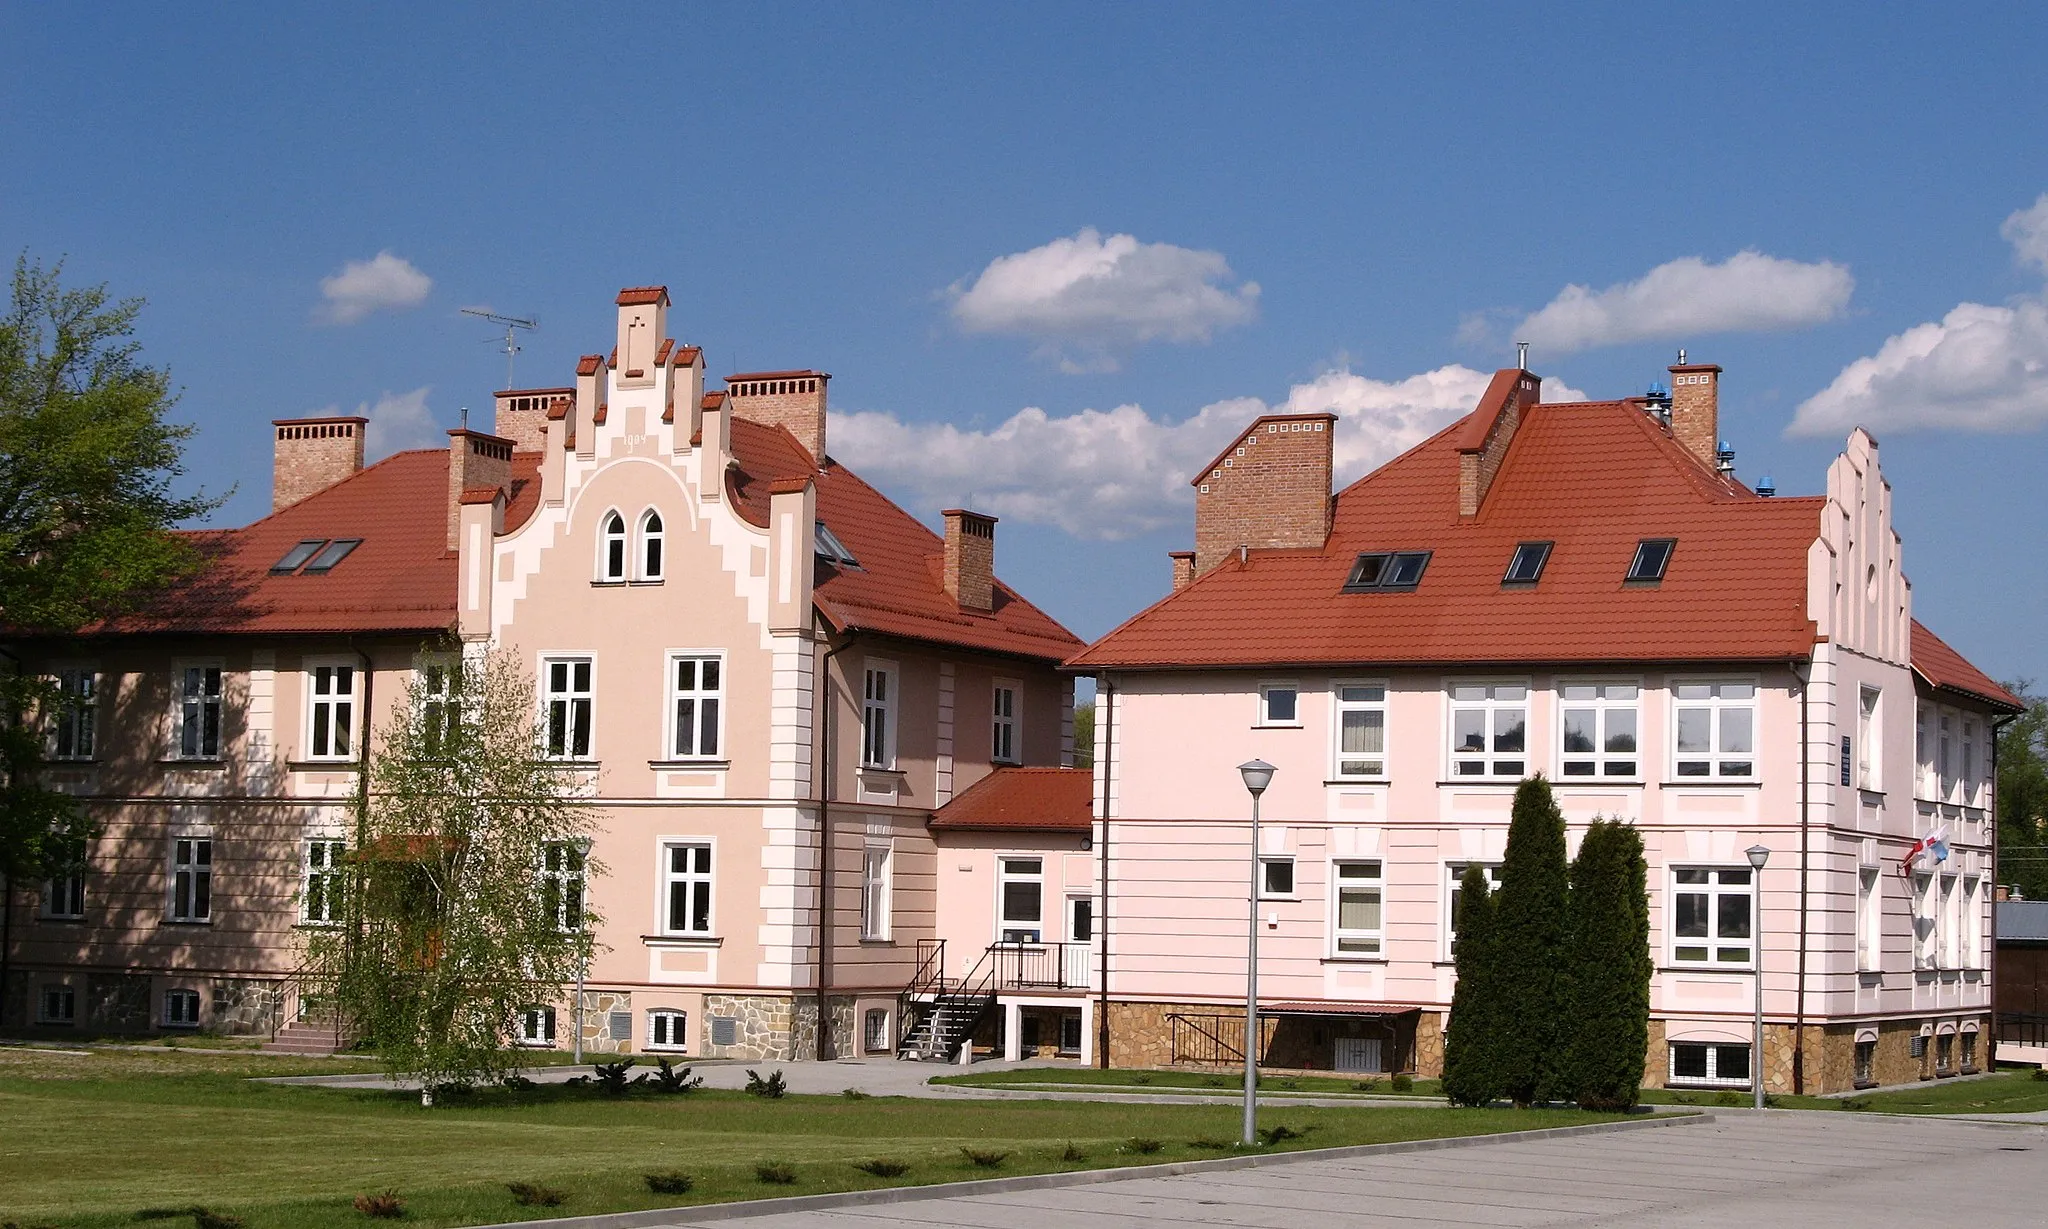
pixel 2023 796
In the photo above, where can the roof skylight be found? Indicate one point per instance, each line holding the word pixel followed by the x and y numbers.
pixel 296 556
pixel 334 552
pixel 1398 570
pixel 831 549
pixel 1526 567
pixel 1653 555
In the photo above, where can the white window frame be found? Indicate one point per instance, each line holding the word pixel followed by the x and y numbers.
pixel 1269 692
pixel 1869 740
pixel 565 883
pixel 875 1040
pixel 1603 763
pixel 1454 874
pixel 1925 915
pixel 677 1030
pixel 323 882
pixel 207 708
pixel 568 697
pixel 690 878
pixel 536 1028
pixel 191 880
pixel 1493 763
pixel 74 726
pixel 1923 755
pixel 63 897
pixel 1005 876
pixel 877 892
pixel 66 994
pixel 1079 903
pixel 650 547
pixel 614 548
pixel 1370 701
pixel 180 1017
pixel 706 701
pixel 1717 760
pixel 1270 862
pixel 1368 943
pixel 1715 889
pixel 340 707
pixel 1006 744
pixel 436 689
pixel 1967 772
pixel 1970 917
pixel 1951 928
pixel 879 705
pixel 1713 1078
pixel 1869 919
pixel 1944 763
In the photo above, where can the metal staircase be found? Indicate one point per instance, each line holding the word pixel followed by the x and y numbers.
pixel 945 1016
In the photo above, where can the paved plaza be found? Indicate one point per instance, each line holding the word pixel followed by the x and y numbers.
pixel 1741 1170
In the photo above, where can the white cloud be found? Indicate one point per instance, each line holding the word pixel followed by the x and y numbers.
pixel 1687 297
pixel 1088 298
pixel 398 421
pixel 1113 474
pixel 1979 368
pixel 382 283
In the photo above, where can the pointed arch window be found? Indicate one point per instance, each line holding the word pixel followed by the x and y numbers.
pixel 650 555
pixel 611 547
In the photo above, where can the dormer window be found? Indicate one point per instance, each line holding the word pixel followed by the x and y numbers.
pixel 611 548
pixel 1398 570
pixel 1652 556
pixel 830 548
pixel 1526 567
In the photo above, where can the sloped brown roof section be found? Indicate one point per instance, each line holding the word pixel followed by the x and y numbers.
pixel 1023 800
pixel 1594 478
pixel 1942 667
pixel 898 589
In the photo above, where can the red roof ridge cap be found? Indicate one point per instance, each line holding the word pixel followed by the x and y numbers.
pixel 1253 429
pixel 641 296
pixel 481 494
pixel 776 375
pixel 588 364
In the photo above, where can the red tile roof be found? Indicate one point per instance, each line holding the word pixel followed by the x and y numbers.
pixel 1592 477
pixel 588 364
pixel 1023 800
pixel 1944 668
pixel 898 589
pixel 640 296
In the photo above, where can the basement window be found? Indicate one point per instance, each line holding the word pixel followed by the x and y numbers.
pixel 334 552
pixel 1526 568
pixel 1398 570
pixel 831 549
pixel 296 556
pixel 1652 556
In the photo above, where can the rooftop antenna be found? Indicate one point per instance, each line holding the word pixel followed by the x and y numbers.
pixel 1522 355
pixel 512 325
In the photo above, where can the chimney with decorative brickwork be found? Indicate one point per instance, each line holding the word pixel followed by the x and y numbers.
pixel 971 559
pixel 1696 407
pixel 1483 438
pixel 1183 568
pixel 1270 488
pixel 792 399
pixel 478 463
pixel 312 455
pixel 523 415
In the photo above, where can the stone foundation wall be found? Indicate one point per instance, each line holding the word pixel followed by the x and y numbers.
pixel 246 1006
pixel 1429 1044
pixel 766 1027
pixel 597 1033
pixel 117 1003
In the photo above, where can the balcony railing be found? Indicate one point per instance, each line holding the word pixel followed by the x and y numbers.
pixel 2023 1028
pixel 1042 966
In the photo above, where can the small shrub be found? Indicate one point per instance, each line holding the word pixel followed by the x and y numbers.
pixel 1771 1101
pixel 1211 1144
pixel 161 1213
pixel 2041 1073
pixel 669 1079
pixel 385 1206
pixel 519 1083
pixel 1684 1098
pixel 611 1077
pixel 576 1081
pixel 1728 1098
pixel 528 1195
pixel 670 1183
pixel 882 1167
pixel 1402 1083
pixel 1281 1133
pixel 853 1094
pixel 775 1173
pixel 1286 1082
pixel 205 1218
pixel 1217 1081
pixel 1364 1085
pixel 1143 1147
pixel 452 1092
pixel 1073 1155
pixel 772 1087
pixel 1853 1103
pixel 985 1160
pixel 1141 1078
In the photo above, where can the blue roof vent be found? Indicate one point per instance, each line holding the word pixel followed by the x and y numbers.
pixel 1766 487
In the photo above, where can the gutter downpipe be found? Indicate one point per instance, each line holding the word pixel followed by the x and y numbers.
pixel 826 1049
pixel 1105 695
pixel 1805 811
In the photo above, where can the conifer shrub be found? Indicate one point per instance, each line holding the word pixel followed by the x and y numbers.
pixel 1471 1072
pixel 1529 947
pixel 1607 970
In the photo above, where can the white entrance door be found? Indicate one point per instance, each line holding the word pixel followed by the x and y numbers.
pixel 1357 1054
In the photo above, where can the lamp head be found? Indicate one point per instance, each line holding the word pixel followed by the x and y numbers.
pixel 1257 775
pixel 1758 855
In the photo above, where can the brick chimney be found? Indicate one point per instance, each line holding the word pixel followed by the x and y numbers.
pixel 1696 407
pixel 971 559
pixel 523 415
pixel 1270 488
pixel 1483 438
pixel 1183 568
pixel 793 399
pixel 312 455
pixel 476 462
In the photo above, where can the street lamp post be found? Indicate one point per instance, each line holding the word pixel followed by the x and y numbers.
pixel 1257 775
pixel 1758 855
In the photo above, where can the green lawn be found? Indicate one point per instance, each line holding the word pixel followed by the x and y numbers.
pixel 92 1139
pixel 1220 1083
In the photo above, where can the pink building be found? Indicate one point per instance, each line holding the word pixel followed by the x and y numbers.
pixel 768 677
pixel 1583 591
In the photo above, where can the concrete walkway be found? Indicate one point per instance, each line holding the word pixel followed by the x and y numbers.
pixel 1773 1170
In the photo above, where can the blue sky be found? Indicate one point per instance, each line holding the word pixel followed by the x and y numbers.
pixel 1340 206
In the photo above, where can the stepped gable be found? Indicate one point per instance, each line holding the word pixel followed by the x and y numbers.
pixel 1592 477
pixel 899 587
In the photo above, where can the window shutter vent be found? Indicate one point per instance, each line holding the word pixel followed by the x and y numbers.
pixel 620 1024
pixel 725 1030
